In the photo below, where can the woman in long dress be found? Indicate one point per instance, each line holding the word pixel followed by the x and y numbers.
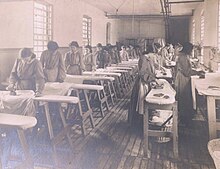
pixel 183 84
pixel 146 75
pixel 73 60
pixel 89 59
pixel 53 63
pixel 124 54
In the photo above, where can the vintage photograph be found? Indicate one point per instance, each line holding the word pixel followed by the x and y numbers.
pixel 109 84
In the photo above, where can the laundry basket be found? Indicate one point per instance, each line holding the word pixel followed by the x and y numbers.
pixel 214 150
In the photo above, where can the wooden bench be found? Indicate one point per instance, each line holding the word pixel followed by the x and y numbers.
pixel 116 82
pixel 107 82
pixel 20 123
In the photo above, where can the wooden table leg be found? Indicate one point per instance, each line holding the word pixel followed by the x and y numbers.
pixel 25 148
pixel 145 130
pixel 211 110
pixel 175 131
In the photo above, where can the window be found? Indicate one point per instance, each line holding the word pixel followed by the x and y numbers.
pixel 218 24
pixel 42 27
pixel 87 30
pixel 193 31
pixel 108 32
pixel 202 34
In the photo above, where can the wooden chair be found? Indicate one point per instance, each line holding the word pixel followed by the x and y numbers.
pixel 20 123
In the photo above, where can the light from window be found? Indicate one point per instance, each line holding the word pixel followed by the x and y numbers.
pixel 193 31
pixel 87 30
pixel 202 34
pixel 42 27
pixel 218 24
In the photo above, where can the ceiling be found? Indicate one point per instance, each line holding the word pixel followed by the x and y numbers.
pixel 144 7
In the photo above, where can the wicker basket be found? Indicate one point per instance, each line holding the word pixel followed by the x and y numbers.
pixel 214 150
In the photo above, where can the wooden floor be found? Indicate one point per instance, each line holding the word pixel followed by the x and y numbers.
pixel 112 144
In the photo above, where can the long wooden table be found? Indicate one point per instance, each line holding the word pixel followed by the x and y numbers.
pixel 159 102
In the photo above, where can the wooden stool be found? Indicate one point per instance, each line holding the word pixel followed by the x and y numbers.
pixel 20 123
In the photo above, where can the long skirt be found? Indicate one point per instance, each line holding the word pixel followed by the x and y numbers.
pixel 138 95
pixel 184 97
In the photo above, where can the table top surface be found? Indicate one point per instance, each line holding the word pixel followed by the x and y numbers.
pixel 81 78
pixel 160 74
pixel 95 73
pixel 165 95
pixel 112 70
pixel 209 86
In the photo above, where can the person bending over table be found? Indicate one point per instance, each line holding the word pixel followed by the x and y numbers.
pixel 183 84
pixel 146 75
pixel 73 60
pixel 53 63
pixel 27 73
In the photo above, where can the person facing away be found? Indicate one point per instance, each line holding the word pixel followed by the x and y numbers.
pixel 53 63
pixel 183 84
pixel 27 73
pixel 89 59
pixel 73 60
pixel 124 54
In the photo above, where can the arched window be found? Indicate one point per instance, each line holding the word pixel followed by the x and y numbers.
pixel 108 32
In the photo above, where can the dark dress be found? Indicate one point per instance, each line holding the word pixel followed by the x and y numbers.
pixel 146 74
pixel 183 88
pixel 53 66
pixel 28 75
pixel 73 63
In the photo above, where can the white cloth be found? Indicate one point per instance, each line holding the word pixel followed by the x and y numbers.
pixel 21 104
pixel 56 88
pixel 159 96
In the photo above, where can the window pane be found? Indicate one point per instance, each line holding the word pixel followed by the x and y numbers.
pixel 42 27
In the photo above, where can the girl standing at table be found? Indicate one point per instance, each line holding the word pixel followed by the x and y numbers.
pixel 89 59
pixel 27 73
pixel 146 75
pixel 53 63
pixel 73 60
pixel 183 84
pixel 124 54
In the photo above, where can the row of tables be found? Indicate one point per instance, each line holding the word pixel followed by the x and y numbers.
pixel 107 84
pixel 117 80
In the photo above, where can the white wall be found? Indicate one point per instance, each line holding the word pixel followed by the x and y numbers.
pixel 67 21
pixel 148 28
pixel 16 28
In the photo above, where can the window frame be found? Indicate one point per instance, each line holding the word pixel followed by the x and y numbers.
pixel 86 30
pixel 42 26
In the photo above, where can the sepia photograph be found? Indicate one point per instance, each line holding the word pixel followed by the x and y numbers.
pixel 109 84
